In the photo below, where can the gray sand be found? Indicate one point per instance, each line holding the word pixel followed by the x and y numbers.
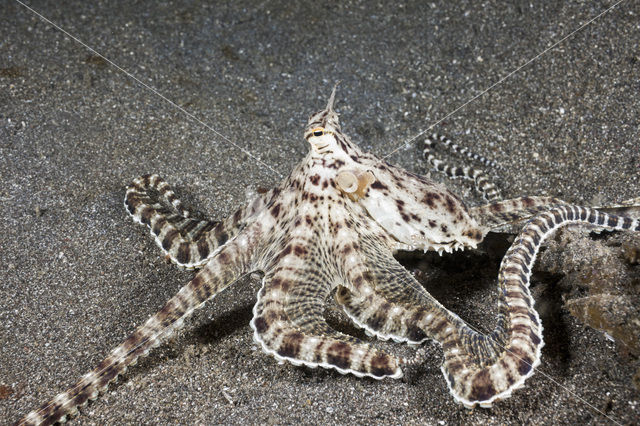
pixel 77 274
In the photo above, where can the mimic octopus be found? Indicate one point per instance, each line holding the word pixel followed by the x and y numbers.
pixel 333 225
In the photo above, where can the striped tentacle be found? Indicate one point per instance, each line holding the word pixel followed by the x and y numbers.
pixel 482 183
pixel 220 272
pixel 479 368
pixel 289 324
pixel 483 368
pixel 495 215
pixel 381 297
pixel 461 150
pixel 629 208
pixel 186 241
pixel 380 316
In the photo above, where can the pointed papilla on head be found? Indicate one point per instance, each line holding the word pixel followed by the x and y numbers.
pixel 326 119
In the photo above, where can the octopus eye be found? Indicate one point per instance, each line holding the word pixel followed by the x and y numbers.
pixel 318 131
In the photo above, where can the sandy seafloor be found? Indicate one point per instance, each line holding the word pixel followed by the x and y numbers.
pixel 76 274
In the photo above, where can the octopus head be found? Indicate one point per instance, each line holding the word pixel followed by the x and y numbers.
pixel 417 212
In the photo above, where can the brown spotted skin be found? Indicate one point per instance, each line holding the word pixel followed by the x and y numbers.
pixel 310 237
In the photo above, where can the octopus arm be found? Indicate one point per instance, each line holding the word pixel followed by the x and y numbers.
pixel 479 368
pixel 383 297
pixel 221 270
pixel 288 323
pixel 188 242
pixel 498 214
